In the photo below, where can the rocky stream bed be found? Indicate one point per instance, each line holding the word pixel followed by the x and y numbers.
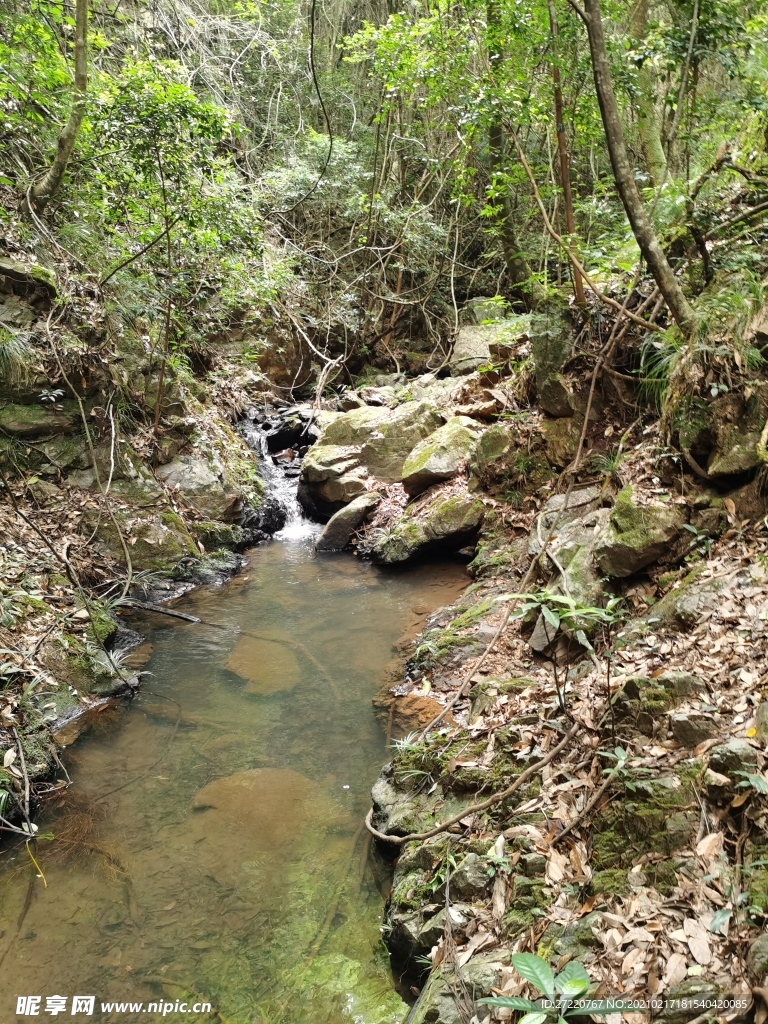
pixel 579 740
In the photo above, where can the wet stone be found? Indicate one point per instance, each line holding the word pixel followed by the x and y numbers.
pixel 266 667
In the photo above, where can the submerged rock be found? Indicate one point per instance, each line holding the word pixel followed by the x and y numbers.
pixel 339 988
pixel 635 536
pixel 339 529
pixel 266 667
pixel 440 456
pixel 442 522
pixel 263 809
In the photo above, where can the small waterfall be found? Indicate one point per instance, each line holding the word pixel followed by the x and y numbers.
pixel 281 480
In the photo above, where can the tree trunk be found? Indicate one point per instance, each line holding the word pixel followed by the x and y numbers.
pixel 562 152
pixel 624 174
pixel 532 292
pixel 648 124
pixel 42 192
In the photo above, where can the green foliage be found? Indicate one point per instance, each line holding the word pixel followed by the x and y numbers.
pixel 564 994
pixel 623 769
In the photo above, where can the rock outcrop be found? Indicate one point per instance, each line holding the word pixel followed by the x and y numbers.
pixel 441 520
pixel 339 529
pixel 440 456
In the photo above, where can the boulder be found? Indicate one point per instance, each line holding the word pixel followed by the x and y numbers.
pixel 413 711
pixel 735 424
pixel 155 543
pixel 480 344
pixel 551 332
pixel 562 439
pixel 573 548
pixel 450 521
pixel 26 278
pixel 437 1002
pixel 733 756
pixel 338 531
pixel 484 309
pixel 757 959
pixel 385 449
pixel 688 600
pixel 470 880
pixel 440 456
pixel 331 476
pixel 555 396
pixel 635 536
pixel 688 1000
pixel 202 486
pixel 121 468
pixel 761 722
pixel 693 728
pixel 369 441
pixel 472 348
pixel 557 513
pixel 38 420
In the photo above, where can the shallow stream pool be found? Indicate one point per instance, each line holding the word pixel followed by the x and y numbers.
pixel 211 846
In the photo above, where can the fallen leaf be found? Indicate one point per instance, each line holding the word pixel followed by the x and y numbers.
pixel 698 941
pixel 710 845
pixel 676 970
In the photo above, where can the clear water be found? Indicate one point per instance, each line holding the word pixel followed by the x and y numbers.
pixel 210 847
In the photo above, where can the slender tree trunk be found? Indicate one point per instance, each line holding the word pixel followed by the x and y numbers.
pixel 648 121
pixel 48 185
pixel 523 282
pixel 562 152
pixel 624 174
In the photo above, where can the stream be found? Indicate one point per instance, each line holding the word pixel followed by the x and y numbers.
pixel 210 847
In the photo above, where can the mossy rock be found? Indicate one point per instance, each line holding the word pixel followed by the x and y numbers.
pixel 440 456
pixel 661 816
pixel 442 523
pixel 552 338
pixel 155 542
pixel 562 440
pixel 643 700
pixel 437 1005
pixel 337 988
pixel 555 396
pixel 575 940
pixel 38 420
pixel 610 882
pixel 218 535
pixel 684 604
pixel 636 536
pixel 385 437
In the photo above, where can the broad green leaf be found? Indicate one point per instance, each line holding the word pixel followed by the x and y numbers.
pixel 510 1003
pixel 551 617
pixel 533 1018
pixel 574 988
pixel 720 921
pixel 535 970
pixel 573 981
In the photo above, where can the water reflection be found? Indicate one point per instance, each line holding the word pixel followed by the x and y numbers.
pixel 211 846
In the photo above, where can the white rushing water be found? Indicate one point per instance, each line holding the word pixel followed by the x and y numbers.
pixel 282 487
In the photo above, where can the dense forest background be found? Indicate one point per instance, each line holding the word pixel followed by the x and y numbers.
pixel 343 177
